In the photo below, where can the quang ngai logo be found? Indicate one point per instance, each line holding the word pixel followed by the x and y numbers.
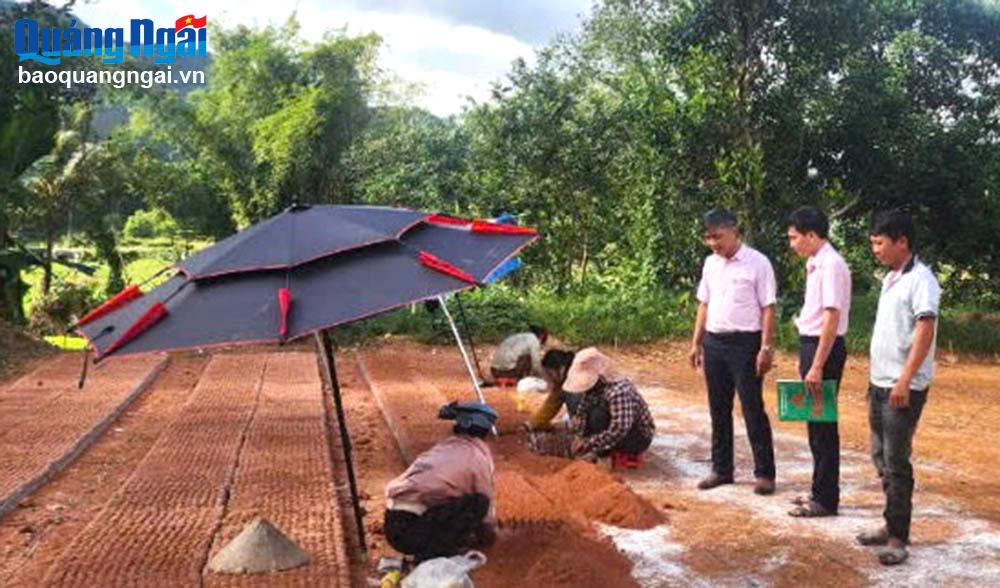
pixel 48 45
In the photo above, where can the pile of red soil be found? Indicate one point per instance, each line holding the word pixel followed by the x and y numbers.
pixel 532 487
pixel 553 555
pixel 598 496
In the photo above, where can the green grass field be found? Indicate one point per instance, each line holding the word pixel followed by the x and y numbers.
pixel 66 342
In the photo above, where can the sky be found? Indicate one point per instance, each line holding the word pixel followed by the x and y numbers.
pixel 450 49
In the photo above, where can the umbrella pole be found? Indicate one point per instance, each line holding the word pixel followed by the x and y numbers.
pixel 325 347
pixel 468 334
pixel 465 356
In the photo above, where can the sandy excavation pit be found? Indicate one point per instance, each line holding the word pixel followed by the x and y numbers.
pixel 547 507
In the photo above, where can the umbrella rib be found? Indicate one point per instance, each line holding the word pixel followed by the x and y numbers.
pixel 469 225
pixel 323 255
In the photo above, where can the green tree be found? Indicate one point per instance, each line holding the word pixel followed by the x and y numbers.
pixel 408 157
pixel 279 114
pixel 617 140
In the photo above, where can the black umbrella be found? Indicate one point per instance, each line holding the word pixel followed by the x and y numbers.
pixel 304 270
pixel 301 272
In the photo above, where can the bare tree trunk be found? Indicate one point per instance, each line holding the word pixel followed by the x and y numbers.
pixel 49 245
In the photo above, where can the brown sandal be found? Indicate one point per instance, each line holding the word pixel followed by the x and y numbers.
pixel 811 510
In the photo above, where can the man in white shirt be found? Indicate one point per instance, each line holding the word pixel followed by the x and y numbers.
pixel 902 365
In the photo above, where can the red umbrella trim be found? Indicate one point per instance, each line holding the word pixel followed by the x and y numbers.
pixel 285 304
pixel 115 302
pixel 442 266
pixel 149 318
pixel 480 226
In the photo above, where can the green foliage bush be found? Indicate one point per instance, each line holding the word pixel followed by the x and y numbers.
pixel 149 224
pixel 53 313
pixel 576 319
pixel 580 319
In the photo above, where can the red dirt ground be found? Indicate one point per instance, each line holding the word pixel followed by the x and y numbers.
pixel 284 474
pixel 250 440
pixel 34 534
pixel 31 446
pixel 732 537
pixel 215 441
pixel 961 412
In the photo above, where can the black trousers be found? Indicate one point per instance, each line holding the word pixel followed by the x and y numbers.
pixel 892 432
pixel 824 438
pixel 730 362
pixel 521 370
pixel 442 531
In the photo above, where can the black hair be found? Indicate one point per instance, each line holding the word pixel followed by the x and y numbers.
pixel 598 385
pixel 719 218
pixel 472 431
pixel 894 224
pixel 557 358
pixel 809 219
pixel 541 332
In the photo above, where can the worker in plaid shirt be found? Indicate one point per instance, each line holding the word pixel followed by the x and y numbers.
pixel 612 415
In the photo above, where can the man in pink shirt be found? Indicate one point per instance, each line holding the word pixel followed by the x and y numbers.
pixel 733 336
pixel 822 324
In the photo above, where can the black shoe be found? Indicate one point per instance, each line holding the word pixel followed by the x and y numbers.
pixel 713 481
pixel 764 487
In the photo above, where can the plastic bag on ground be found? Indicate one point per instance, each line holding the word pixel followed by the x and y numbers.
pixel 532 384
pixel 445 572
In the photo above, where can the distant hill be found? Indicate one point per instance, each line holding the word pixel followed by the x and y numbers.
pixel 110 116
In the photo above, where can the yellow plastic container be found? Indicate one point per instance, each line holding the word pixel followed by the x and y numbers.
pixel 392 579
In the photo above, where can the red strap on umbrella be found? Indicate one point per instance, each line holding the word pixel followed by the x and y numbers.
pixel 285 304
pixel 442 219
pixel 149 318
pixel 115 302
pixel 481 226
pixel 444 267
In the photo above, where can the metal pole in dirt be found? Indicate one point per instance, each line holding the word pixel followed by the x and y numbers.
pixel 324 345
pixel 468 333
pixel 465 356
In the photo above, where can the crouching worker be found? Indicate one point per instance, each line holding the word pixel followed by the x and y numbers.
pixel 612 417
pixel 443 503
pixel 518 356
pixel 556 363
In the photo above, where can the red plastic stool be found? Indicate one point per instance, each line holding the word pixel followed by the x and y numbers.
pixel 628 461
